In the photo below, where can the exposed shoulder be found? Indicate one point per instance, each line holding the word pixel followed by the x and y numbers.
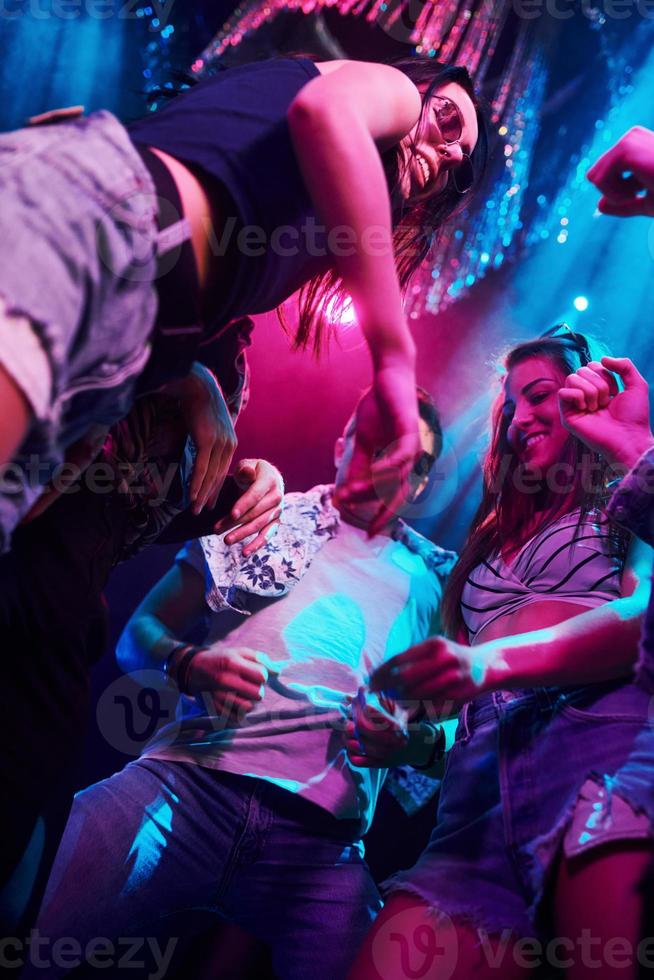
pixel 361 67
pixel 373 71
pixel 386 97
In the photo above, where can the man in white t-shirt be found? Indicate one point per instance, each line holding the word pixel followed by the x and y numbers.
pixel 247 805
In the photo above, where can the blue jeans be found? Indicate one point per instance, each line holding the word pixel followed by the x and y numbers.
pixel 153 849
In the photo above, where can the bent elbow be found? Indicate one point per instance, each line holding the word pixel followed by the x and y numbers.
pixel 316 113
pixel 125 650
pixel 304 112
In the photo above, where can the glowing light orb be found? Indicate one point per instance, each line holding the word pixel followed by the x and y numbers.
pixel 339 314
pixel 580 303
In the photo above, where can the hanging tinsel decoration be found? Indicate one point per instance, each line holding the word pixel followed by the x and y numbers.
pixel 463 30
pixel 492 230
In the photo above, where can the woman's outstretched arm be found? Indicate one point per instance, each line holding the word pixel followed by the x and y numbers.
pixel 598 645
pixel 337 123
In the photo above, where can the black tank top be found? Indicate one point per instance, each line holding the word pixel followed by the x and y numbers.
pixel 231 129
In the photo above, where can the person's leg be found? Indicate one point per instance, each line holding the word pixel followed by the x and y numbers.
pixel 141 850
pixel 598 909
pixel 458 912
pixel 308 892
pixel 329 901
pixel 53 622
pixel 411 941
pixel 303 886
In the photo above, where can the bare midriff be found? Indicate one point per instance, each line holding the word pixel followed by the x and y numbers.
pixel 201 214
pixel 534 616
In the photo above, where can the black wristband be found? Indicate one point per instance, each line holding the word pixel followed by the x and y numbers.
pixel 184 668
pixel 178 670
pixel 437 751
pixel 169 668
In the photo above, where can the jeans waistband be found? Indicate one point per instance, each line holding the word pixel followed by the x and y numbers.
pixel 491 705
pixel 536 700
pixel 294 806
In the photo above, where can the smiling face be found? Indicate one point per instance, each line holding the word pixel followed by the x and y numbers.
pixel 536 433
pixel 428 158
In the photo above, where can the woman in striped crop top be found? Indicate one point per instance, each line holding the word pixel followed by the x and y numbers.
pixel 541 829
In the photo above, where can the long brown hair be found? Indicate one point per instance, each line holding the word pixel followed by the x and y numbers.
pixel 508 515
pixel 415 225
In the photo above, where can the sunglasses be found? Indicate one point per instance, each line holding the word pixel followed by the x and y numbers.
pixel 578 341
pixel 423 464
pixel 450 125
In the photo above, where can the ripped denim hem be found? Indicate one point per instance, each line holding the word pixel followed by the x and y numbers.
pixel 483 921
pixel 598 815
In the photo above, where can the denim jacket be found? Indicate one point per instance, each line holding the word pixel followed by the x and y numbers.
pixel 78 240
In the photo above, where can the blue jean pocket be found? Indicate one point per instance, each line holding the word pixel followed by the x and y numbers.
pixel 625 703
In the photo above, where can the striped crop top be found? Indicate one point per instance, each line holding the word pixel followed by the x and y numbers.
pixel 565 560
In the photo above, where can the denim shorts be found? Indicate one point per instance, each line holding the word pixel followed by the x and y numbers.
pixel 533 775
pixel 78 253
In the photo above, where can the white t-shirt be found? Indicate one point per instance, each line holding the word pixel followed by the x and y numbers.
pixel 360 602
